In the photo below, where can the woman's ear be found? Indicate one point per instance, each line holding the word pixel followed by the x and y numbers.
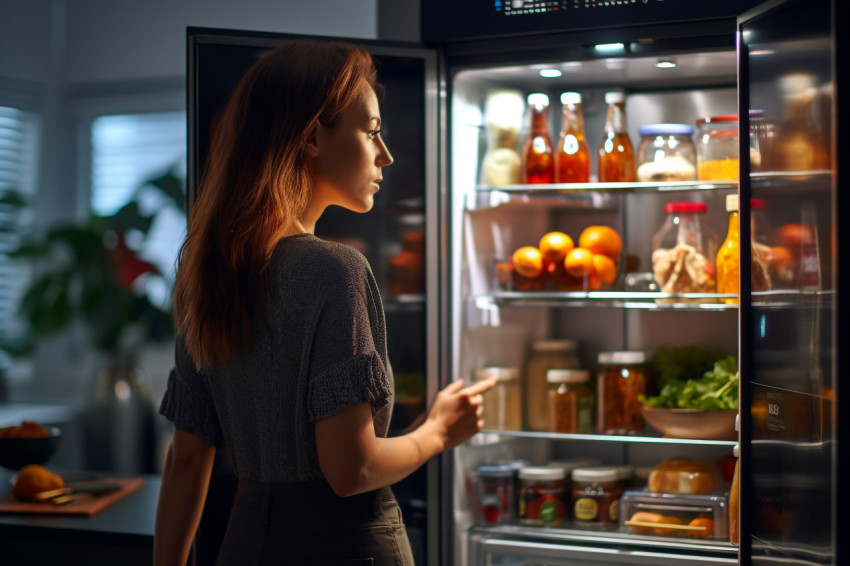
pixel 311 142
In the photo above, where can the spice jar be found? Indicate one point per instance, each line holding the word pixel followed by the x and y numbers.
pixel 683 251
pixel 545 355
pixel 717 148
pixel 502 405
pixel 570 401
pixel 596 497
pixel 666 152
pixel 495 494
pixel 622 379
pixel 542 495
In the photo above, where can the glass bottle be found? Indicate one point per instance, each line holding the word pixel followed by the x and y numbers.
pixel 538 156
pixel 502 120
pixel 728 257
pixel 545 355
pixel 616 154
pixel 572 160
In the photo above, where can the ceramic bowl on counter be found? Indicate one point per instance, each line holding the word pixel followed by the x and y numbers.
pixel 19 451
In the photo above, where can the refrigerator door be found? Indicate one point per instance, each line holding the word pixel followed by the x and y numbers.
pixel 400 237
pixel 790 334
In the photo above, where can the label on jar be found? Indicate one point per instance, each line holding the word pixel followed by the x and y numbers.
pixel 586 509
pixel 540 505
pixel 593 504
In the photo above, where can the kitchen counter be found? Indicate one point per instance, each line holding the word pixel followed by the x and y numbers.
pixel 120 534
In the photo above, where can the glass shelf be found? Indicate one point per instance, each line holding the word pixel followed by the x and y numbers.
pixel 589 196
pixel 620 299
pixel 493 436
pixel 609 536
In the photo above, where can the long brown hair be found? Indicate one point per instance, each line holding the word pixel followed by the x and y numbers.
pixel 256 186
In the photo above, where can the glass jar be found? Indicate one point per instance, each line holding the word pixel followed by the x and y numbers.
pixel 503 113
pixel 545 355
pixel 495 494
pixel 570 401
pixel 596 497
pixel 666 152
pixel 621 380
pixel 542 495
pixel 683 251
pixel 502 405
pixel 717 148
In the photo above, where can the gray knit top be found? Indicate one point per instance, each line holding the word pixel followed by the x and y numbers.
pixel 318 346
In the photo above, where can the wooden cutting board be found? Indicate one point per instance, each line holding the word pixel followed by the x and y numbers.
pixel 86 507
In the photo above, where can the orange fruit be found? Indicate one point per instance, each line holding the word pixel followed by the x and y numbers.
pixel 702 522
pixel 601 240
pixel 528 261
pixel 555 245
pixel 667 530
pixel 579 262
pixel 605 268
pixel 34 479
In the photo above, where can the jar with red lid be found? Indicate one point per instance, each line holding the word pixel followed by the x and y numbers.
pixel 684 250
pixel 717 148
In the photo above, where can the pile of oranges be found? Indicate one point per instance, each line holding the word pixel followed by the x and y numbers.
pixel 557 263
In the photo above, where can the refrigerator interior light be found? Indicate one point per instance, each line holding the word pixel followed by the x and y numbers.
pixel 610 48
pixel 550 73
pixel 667 63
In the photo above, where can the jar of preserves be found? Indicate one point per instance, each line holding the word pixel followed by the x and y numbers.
pixel 666 152
pixel 538 155
pixel 596 497
pixel 717 148
pixel 495 494
pixel 621 380
pixel 542 495
pixel 683 251
pixel 502 405
pixel 545 355
pixel 570 401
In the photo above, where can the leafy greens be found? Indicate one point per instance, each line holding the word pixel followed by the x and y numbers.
pixel 716 389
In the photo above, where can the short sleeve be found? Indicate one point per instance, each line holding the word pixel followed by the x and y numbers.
pixel 348 348
pixel 187 402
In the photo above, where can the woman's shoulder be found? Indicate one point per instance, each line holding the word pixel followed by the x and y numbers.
pixel 321 256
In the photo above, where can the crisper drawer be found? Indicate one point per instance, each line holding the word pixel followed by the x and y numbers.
pixel 487 550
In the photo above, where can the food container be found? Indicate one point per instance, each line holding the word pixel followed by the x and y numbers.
pixel 717 148
pixel 545 355
pixel 596 497
pixel 688 476
pixel 495 499
pixel 683 516
pixel 542 495
pixel 502 404
pixel 621 380
pixel 570 401
pixel 684 251
pixel 666 152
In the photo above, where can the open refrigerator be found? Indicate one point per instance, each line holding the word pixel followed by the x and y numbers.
pixel 440 235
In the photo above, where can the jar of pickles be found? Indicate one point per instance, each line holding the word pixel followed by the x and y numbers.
pixel 570 401
pixel 502 404
pixel 621 380
pixel 666 152
pixel 717 148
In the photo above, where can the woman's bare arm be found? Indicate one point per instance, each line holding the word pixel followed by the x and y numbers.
pixel 354 460
pixel 185 480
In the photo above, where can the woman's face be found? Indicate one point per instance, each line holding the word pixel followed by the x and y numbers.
pixel 349 157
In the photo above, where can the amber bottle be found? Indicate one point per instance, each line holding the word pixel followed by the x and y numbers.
pixel 616 154
pixel 572 160
pixel 538 156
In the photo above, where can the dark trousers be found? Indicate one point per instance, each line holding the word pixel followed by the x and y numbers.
pixel 308 524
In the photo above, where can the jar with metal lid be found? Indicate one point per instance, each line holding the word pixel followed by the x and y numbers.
pixel 596 497
pixel 717 148
pixel 666 152
pixel 570 401
pixel 545 355
pixel 621 380
pixel 502 404
pixel 543 495
pixel 684 250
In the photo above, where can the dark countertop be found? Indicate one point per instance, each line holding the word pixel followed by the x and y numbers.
pixel 120 534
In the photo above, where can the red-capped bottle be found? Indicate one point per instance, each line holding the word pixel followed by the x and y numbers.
pixel 538 156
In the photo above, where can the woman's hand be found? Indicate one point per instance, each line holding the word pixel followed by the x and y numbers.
pixel 456 412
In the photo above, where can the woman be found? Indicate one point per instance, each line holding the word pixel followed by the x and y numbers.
pixel 281 353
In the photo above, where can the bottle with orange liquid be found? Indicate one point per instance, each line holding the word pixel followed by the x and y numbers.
pixel 538 156
pixel 572 160
pixel 728 256
pixel 616 154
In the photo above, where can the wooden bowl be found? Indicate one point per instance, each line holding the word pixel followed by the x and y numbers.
pixel 692 423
